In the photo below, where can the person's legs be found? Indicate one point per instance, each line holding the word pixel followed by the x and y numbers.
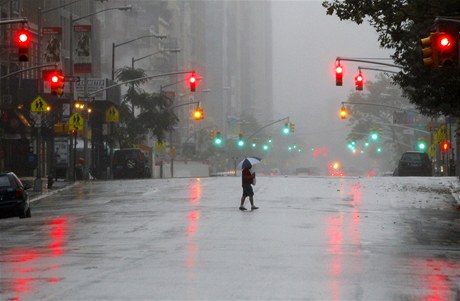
pixel 251 199
pixel 243 198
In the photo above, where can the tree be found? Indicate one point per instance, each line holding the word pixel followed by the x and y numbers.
pixel 382 96
pixel 142 113
pixel 401 25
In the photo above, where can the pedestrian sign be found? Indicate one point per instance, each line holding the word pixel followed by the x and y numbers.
pixel 39 105
pixel 76 121
pixel 112 115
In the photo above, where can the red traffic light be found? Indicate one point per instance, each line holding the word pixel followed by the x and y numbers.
pixel 359 81
pixel 192 82
pixel 445 146
pixel 22 42
pixel 444 42
pixel 56 80
pixel 338 75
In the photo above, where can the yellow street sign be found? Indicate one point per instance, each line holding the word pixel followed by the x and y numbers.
pixel 76 121
pixel 39 105
pixel 112 115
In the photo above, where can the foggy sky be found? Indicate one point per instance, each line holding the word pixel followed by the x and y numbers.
pixel 306 44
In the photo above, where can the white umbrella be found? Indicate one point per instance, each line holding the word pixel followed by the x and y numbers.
pixel 248 162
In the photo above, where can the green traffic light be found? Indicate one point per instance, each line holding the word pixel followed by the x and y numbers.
pixel 254 145
pixel 374 136
pixel 379 150
pixel 240 143
pixel 286 131
pixel 265 147
pixel 217 141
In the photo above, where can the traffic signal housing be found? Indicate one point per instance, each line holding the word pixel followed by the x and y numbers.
pixel 291 127
pixel 445 146
pixel 22 42
pixel 286 129
pixel 359 81
pixel 421 145
pixel 218 138
pixel 240 142
pixel 343 112
pixel 429 50
pixel 198 114
pixel 447 45
pixel 192 82
pixel 338 75
pixel 56 80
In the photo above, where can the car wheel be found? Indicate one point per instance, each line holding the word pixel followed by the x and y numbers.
pixel 28 213
pixel 23 212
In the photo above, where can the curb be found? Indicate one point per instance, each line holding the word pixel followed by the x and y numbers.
pixel 48 193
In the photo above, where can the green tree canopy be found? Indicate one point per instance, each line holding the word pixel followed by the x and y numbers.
pixel 142 113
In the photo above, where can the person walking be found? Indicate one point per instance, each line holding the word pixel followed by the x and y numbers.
pixel 247 179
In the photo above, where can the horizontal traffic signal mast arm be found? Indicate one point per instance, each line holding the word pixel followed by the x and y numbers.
pixel 28 69
pixel 377 69
pixel 267 125
pixel 366 61
pixel 13 21
pixel 378 105
pixel 140 78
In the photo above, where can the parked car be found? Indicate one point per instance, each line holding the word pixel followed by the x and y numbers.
pixel 130 163
pixel 414 164
pixel 14 199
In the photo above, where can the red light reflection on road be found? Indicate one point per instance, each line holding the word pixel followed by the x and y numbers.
pixel 437 278
pixel 343 233
pixel 21 265
pixel 192 247
pixel 195 192
pixel 58 235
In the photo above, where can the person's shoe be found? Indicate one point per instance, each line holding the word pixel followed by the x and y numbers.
pixel 242 208
pixel 254 208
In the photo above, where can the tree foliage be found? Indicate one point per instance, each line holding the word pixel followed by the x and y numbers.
pixel 375 109
pixel 142 113
pixel 400 25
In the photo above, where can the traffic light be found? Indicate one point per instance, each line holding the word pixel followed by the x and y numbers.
pixel 286 129
pixel 421 145
pixel 445 146
pixel 254 143
pixel 56 80
pixel 218 138
pixel 198 114
pixel 338 75
pixel 374 135
pixel 429 50
pixel 447 46
pixel 22 41
pixel 359 81
pixel 192 82
pixel 343 112
pixel 74 132
pixel 291 127
pixel 212 134
pixel 270 140
pixel 240 142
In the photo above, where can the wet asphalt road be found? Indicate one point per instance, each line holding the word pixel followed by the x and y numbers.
pixel 184 239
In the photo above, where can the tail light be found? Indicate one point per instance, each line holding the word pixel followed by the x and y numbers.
pixel 19 193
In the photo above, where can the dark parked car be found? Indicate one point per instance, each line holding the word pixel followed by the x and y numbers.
pixel 14 199
pixel 130 163
pixel 414 164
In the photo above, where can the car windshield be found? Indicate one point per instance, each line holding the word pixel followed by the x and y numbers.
pixel 413 157
pixel 4 181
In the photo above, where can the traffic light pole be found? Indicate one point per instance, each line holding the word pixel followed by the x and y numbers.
pixel 366 60
pixel 27 69
pixel 267 125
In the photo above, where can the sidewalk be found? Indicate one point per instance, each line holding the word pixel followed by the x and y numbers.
pixel 57 186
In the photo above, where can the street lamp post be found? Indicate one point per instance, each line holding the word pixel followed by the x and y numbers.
pixel 158 36
pixel 72 21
